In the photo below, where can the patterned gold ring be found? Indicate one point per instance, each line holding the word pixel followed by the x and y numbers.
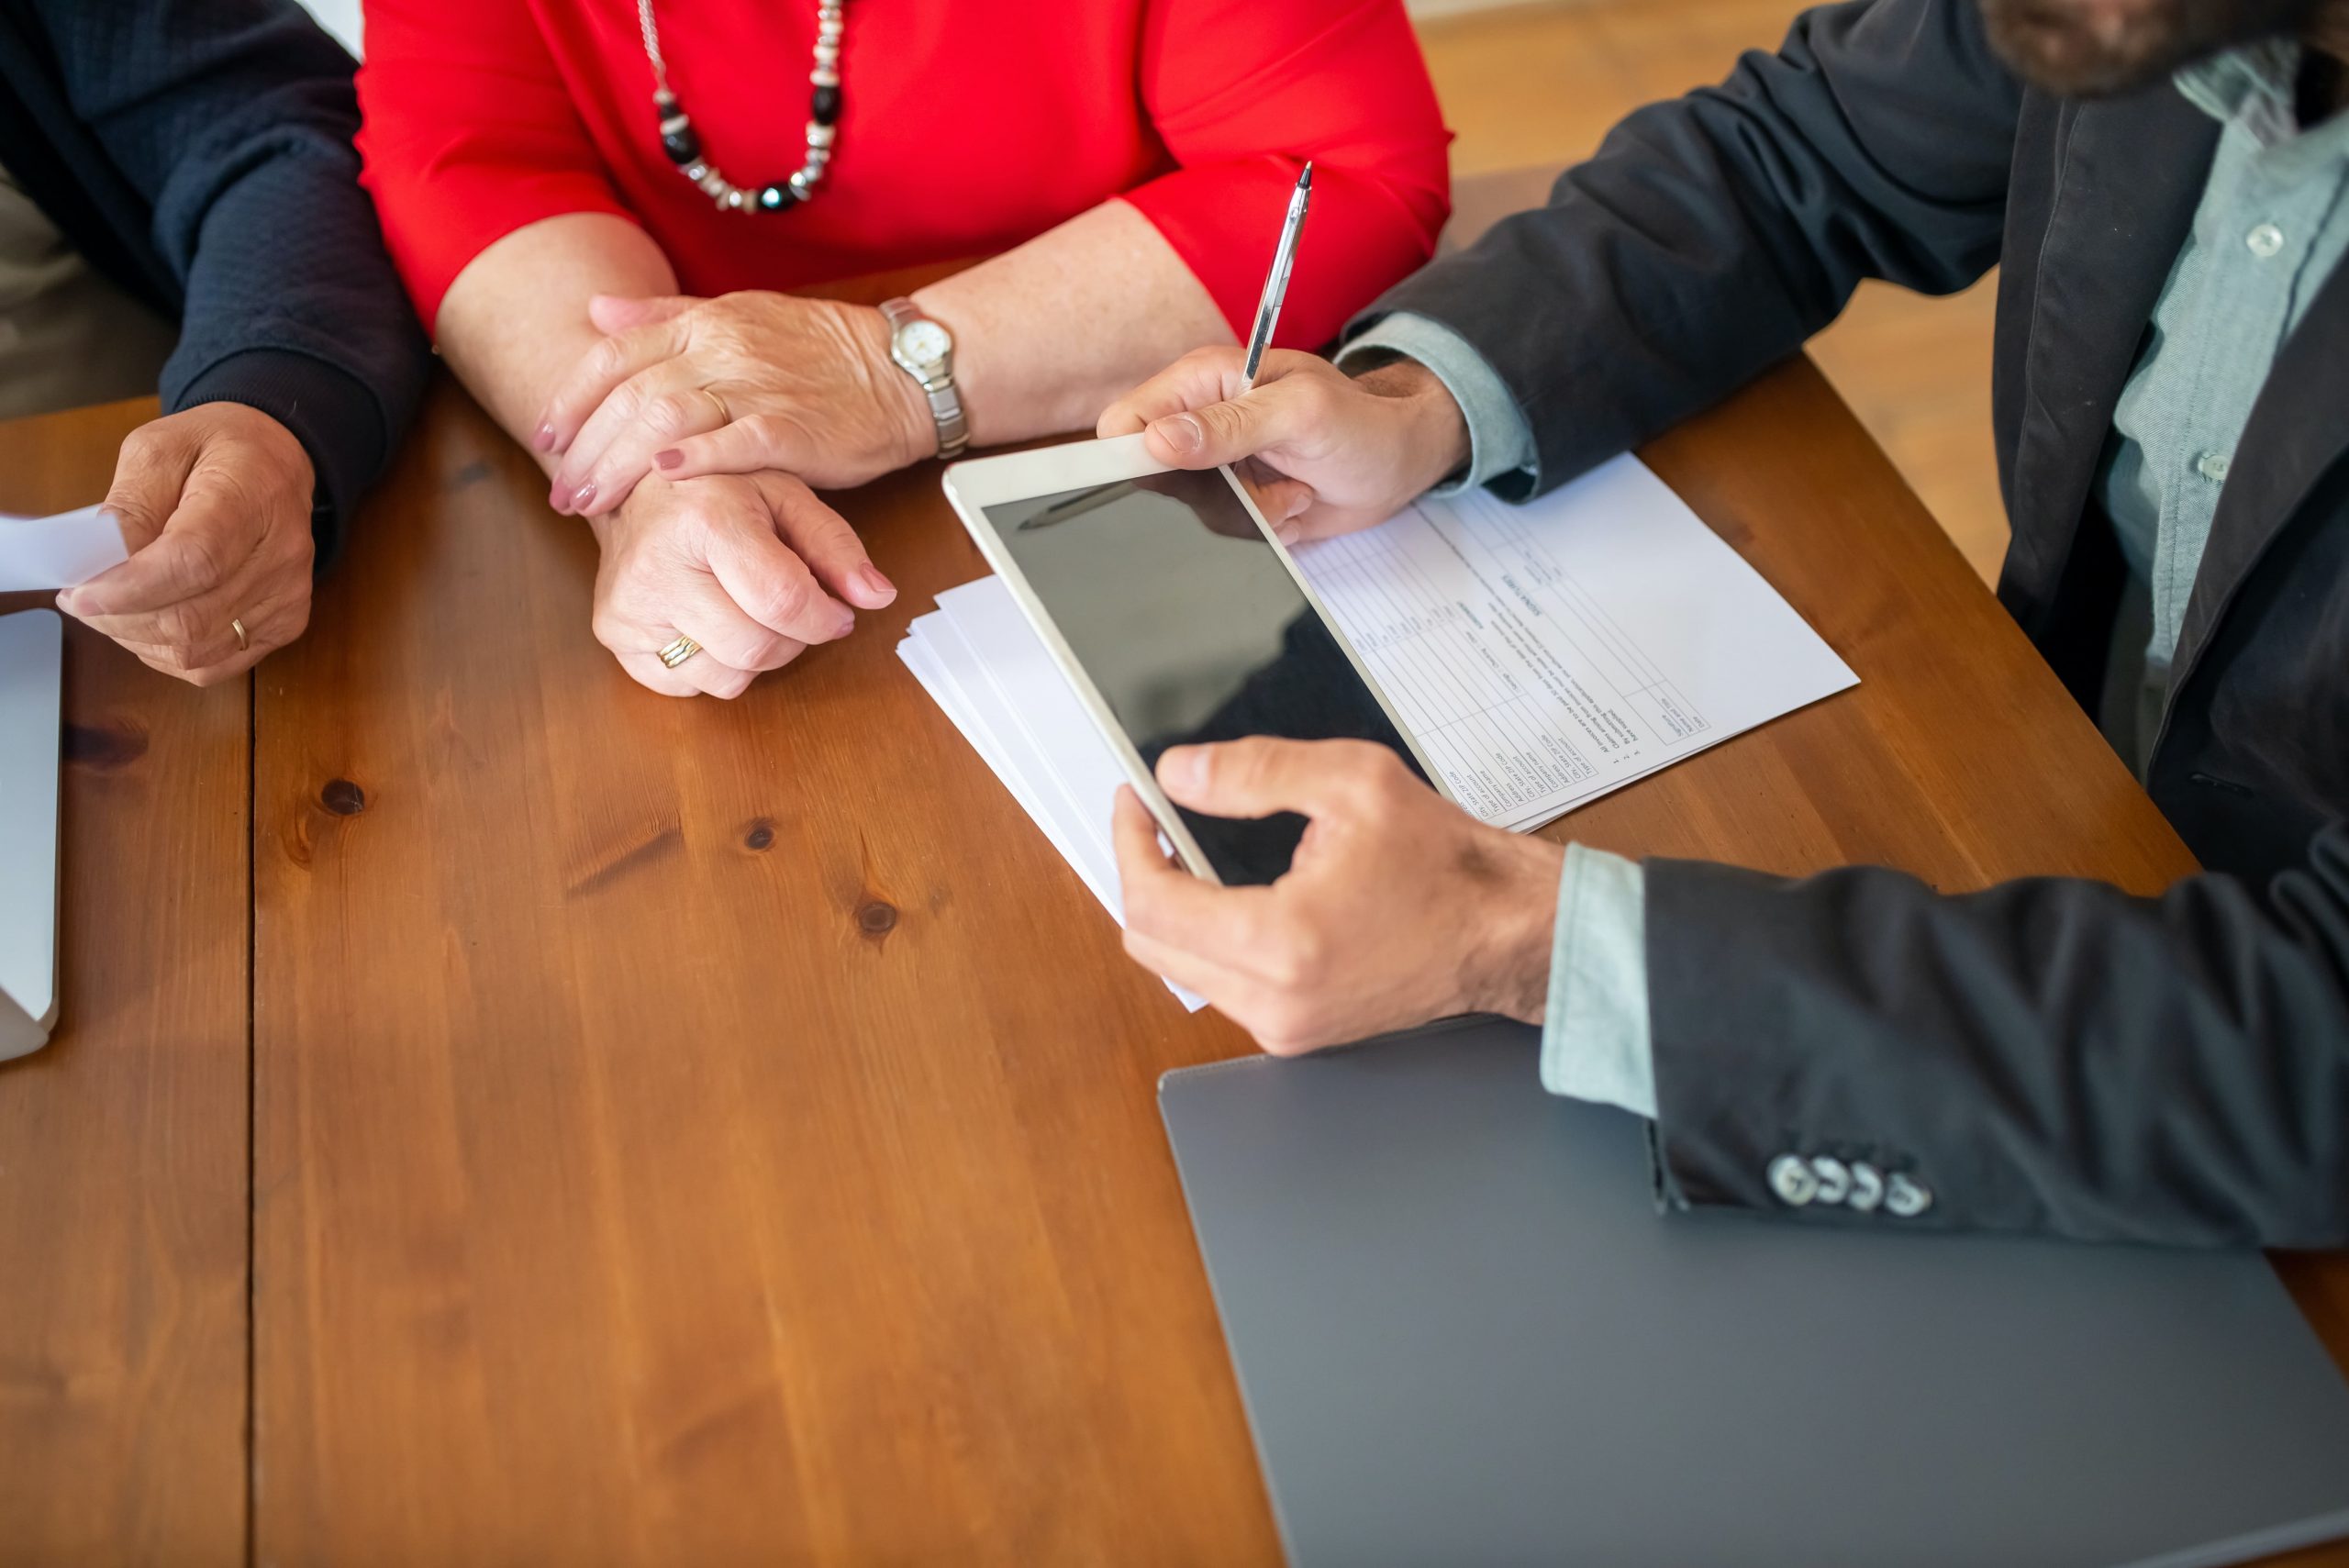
pixel 678 649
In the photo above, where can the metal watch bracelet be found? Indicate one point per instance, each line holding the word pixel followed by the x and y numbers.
pixel 938 386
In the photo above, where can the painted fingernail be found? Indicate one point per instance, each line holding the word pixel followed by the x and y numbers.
pixel 558 498
pixel 544 439
pixel 668 457
pixel 1182 432
pixel 874 583
pixel 583 498
pixel 1183 768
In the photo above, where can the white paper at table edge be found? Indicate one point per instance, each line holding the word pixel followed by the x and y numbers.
pixel 40 554
pixel 1034 786
pixel 919 651
pixel 985 608
pixel 921 657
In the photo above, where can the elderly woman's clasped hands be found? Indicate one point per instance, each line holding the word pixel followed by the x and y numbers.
pixel 689 436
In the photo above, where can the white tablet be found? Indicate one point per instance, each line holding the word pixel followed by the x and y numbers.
pixel 1178 618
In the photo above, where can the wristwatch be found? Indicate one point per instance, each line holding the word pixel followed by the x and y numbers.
pixel 925 351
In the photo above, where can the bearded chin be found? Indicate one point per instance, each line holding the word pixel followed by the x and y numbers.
pixel 2077 49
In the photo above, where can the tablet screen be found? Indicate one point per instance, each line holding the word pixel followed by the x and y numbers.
pixel 1192 630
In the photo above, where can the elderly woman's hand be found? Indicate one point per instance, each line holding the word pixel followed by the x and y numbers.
pixel 734 385
pixel 751 567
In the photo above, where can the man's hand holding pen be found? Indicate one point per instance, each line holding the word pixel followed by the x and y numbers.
pixel 1331 453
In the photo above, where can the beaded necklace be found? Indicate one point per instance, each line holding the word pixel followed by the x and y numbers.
pixel 683 144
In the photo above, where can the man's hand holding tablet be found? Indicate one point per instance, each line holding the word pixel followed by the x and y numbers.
pixel 1326 453
pixel 1399 907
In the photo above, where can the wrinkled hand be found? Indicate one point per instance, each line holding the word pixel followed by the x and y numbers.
pixel 1399 907
pixel 1326 453
pixel 214 502
pixel 752 567
pixel 736 384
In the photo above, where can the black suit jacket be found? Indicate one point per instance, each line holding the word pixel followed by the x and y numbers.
pixel 198 152
pixel 2048 1055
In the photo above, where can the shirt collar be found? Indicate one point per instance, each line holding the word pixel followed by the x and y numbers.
pixel 2252 83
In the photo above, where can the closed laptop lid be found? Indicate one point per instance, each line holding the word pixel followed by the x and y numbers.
pixel 1464 1335
pixel 31 660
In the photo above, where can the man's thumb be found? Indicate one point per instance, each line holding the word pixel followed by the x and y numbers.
pixel 1206 436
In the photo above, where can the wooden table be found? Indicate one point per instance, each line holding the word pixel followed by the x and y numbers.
pixel 125 1190
pixel 686 1131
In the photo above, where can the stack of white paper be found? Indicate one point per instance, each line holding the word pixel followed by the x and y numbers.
pixel 980 661
pixel 1540 655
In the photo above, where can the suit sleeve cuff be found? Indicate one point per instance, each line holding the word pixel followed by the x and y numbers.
pixel 1595 1039
pixel 338 421
pixel 1500 443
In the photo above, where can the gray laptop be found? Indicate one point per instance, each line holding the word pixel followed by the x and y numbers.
pixel 1465 1336
pixel 31 688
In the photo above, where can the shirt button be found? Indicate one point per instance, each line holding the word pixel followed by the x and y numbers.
pixel 2212 466
pixel 2264 240
pixel 1905 1199
pixel 1867 1186
pixel 1793 1181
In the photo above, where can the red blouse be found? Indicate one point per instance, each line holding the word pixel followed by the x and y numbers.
pixel 967 127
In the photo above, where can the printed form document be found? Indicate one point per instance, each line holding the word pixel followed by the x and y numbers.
pixel 1542 656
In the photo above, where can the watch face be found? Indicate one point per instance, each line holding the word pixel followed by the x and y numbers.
pixel 924 342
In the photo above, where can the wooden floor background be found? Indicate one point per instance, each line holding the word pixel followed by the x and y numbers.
pixel 1541 83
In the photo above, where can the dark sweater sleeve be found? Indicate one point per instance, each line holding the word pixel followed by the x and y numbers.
pixel 1711 235
pixel 2048 1055
pixel 234 118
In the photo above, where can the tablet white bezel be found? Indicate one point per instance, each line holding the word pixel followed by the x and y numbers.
pixel 974 486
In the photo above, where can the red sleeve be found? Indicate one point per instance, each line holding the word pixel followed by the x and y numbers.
pixel 468 135
pixel 1243 93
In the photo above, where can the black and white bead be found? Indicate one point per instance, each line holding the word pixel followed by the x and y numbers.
pixel 682 143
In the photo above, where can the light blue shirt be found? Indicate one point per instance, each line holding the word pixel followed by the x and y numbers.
pixel 2272 224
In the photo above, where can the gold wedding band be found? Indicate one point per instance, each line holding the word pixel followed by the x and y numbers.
pixel 678 649
pixel 237 625
pixel 725 415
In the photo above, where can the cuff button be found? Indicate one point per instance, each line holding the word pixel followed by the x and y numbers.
pixel 1834 1178
pixel 1793 1180
pixel 1905 1199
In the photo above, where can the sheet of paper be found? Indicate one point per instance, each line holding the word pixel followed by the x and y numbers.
pixel 1543 655
pixel 59 551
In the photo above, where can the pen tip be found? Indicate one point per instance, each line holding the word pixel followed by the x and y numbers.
pixel 1305 180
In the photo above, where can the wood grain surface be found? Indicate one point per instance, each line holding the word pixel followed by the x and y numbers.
pixel 688 1131
pixel 123 1177
pixel 700 1131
